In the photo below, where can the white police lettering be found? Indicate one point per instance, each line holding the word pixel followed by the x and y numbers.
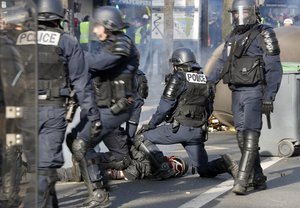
pixel 26 38
pixel 43 38
pixel 196 78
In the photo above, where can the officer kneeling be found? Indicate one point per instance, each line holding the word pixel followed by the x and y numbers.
pixel 185 105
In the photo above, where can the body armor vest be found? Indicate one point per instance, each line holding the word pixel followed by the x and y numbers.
pixel 240 68
pixel 117 83
pixel 191 107
pixel 51 69
pixel 109 88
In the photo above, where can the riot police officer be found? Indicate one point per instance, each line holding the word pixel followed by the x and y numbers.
pixel 11 154
pixel 112 70
pixel 118 142
pixel 184 106
pixel 250 65
pixel 17 98
pixel 61 69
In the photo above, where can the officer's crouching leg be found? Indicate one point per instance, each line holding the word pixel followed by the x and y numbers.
pixel 249 154
pixel 163 169
pixel 92 177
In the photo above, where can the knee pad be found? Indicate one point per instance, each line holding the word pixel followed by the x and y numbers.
pixel 79 148
pixel 251 140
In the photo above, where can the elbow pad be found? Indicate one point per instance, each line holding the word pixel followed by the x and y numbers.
pixel 122 46
pixel 270 42
pixel 173 87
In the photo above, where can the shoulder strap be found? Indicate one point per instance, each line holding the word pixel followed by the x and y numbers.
pixel 252 35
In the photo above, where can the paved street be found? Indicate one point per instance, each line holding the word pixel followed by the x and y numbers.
pixel 191 191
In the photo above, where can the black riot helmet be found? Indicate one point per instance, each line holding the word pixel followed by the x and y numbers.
pixel 244 12
pixel 184 59
pixel 49 10
pixel 110 17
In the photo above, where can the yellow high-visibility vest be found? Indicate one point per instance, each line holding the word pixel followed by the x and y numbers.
pixel 138 37
pixel 84 32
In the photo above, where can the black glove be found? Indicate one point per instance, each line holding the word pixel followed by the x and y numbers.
pixel 168 77
pixel 145 127
pixel 212 89
pixel 95 129
pixel 267 107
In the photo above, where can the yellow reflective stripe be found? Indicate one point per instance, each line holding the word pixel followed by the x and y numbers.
pixel 138 37
pixel 278 23
pixel 148 11
pixel 84 32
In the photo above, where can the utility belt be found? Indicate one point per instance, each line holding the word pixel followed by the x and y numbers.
pixel 189 122
pixel 53 97
pixel 43 100
pixel 191 116
pixel 176 125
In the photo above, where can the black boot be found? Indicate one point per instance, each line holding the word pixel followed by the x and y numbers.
pixel 231 165
pixel 12 177
pixel 97 196
pixel 249 154
pixel 257 180
pixel 91 174
pixel 224 164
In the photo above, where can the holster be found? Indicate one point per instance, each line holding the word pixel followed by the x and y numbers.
pixel 72 105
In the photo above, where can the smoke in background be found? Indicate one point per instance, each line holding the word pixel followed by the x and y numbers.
pixel 148 29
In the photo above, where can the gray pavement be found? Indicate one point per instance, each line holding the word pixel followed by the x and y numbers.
pixel 191 191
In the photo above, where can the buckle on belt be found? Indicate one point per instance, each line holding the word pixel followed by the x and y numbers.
pixel 42 97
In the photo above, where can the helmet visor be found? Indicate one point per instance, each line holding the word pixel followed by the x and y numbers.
pixel 243 16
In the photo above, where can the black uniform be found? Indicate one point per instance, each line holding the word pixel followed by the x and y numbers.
pixel 10 143
pixel 112 69
pixel 250 65
pixel 184 105
pixel 61 69
pixel 17 106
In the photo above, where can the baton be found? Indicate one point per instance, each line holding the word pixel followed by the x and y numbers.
pixel 269 121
